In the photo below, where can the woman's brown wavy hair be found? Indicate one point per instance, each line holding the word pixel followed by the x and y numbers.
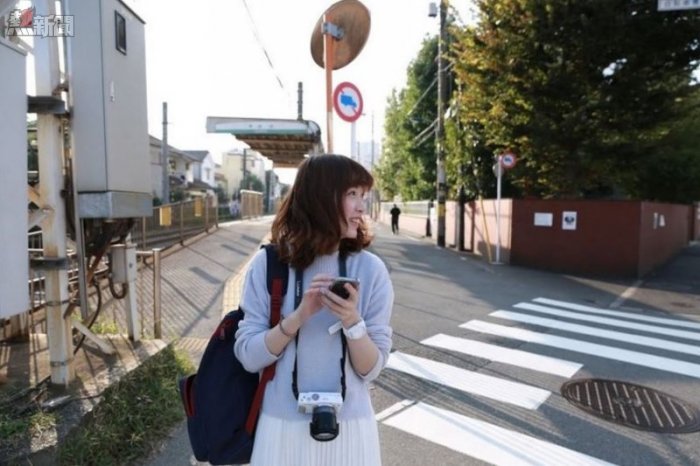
pixel 308 223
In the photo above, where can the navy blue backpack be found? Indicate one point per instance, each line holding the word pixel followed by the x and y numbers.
pixel 222 400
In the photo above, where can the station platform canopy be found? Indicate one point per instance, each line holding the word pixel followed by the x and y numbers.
pixel 285 142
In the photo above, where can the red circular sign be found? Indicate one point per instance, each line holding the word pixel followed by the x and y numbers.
pixel 508 160
pixel 347 101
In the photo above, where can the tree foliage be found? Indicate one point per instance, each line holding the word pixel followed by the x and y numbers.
pixel 407 167
pixel 596 98
pixel 589 94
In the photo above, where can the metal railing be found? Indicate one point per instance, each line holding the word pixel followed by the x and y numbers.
pixel 170 224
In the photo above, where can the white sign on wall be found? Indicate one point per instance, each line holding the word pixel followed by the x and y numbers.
pixel 672 5
pixel 568 220
pixel 544 219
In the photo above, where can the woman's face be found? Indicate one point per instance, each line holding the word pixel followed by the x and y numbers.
pixel 353 208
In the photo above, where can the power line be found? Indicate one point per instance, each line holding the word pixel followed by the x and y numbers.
pixel 262 46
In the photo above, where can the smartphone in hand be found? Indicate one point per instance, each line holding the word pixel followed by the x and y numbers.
pixel 338 286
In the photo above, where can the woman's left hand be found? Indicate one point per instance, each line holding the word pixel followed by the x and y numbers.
pixel 344 309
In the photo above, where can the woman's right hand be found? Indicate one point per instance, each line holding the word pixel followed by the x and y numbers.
pixel 311 301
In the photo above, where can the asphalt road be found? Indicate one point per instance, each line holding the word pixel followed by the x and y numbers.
pixel 454 393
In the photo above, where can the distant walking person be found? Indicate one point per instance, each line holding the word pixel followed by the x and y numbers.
pixel 395 212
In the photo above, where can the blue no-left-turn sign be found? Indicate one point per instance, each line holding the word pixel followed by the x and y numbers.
pixel 508 160
pixel 347 101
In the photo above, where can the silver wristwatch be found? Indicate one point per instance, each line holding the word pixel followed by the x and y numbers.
pixel 357 331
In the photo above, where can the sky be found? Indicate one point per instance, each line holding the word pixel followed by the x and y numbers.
pixel 205 60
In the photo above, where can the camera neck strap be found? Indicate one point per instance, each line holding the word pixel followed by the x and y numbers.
pixel 298 293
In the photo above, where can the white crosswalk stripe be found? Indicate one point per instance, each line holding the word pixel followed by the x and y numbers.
pixel 510 356
pixel 495 388
pixel 498 445
pixel 672 332
pixel 483 440
pixel 599 332
pixel 626 315
pixel 602 351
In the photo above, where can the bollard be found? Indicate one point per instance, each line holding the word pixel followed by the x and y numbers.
pixel 157 327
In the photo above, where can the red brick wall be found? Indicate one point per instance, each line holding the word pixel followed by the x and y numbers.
pixel 605 241
pixel 663 232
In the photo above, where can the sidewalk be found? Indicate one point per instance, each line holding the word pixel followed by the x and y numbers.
pixel 196 287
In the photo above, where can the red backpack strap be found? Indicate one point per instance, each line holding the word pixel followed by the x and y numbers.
pixel 277 280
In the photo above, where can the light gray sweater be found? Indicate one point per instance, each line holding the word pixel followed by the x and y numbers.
pixel 319 353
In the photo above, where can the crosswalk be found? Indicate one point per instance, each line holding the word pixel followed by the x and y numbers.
pixel 575 325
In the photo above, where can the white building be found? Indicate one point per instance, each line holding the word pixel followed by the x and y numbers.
pixel 232 168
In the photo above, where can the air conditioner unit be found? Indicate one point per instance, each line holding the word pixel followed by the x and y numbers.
pixel 107 69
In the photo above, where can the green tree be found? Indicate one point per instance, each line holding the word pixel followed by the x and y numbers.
pixel 252 183
pixel 587 93
pixel 407 167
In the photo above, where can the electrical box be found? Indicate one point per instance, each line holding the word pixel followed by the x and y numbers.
pixel 14 290
pixel 107 69
pixel 123 264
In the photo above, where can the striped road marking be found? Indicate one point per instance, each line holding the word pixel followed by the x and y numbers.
pixel 513 357
pixel 495 388
pixel 672 332
pixel 627 315
pixel 579 346
pixel 599 332
pixel 484 441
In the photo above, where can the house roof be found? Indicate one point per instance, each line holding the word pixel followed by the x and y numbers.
pixel 285 142
pixel 154 141
pixel 200 155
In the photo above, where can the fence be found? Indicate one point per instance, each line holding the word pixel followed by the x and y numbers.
pixel 173 223
pixel 170 224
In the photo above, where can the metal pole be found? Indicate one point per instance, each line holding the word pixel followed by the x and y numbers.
pixel 164 156
pixel 206 213
pixel 245 164
pixel 440 131
pixel 353 140
pixel 300 101
pixel 499 175
pixel 182 221
pixel 47 73
pixel 157 325
pixel 328 48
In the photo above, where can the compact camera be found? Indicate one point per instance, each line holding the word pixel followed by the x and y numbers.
pixel 323 407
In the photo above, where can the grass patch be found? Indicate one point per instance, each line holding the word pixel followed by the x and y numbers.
pixel 14 429
pixel 105 327
pixel 133 416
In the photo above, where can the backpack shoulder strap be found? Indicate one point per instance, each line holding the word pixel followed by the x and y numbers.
pixel 277 278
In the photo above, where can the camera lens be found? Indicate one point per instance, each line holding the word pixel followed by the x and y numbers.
pixel 324 426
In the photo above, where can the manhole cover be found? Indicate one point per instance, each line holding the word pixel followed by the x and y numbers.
pixel 632 405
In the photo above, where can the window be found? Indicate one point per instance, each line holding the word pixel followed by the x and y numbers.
pixel 120 32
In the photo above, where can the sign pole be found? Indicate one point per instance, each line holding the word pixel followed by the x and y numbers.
pixel 328 48
pixel 499 175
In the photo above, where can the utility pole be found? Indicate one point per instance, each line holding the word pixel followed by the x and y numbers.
pixel 164 156
pixel 440 131
pixel 53 228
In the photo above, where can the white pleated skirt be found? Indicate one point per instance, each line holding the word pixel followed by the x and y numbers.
pixel 280 442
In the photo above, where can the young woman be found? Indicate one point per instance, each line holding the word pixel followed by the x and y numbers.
pixel 320 225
